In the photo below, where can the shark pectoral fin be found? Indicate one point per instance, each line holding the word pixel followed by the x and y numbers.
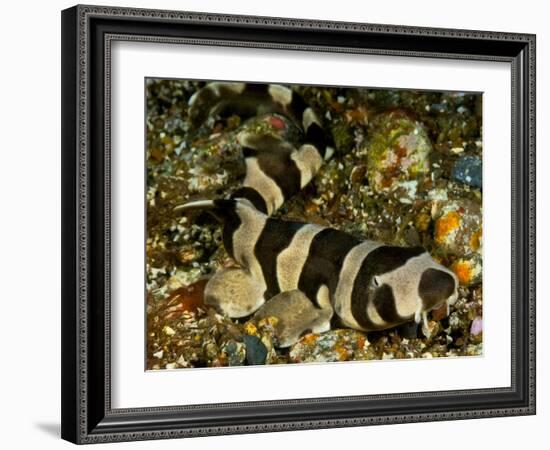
pixel 296 315
pixel 234 292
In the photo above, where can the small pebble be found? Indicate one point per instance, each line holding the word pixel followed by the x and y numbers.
pixel 182 362
pixel 235 353
pixel 468 170
pixel 168 331
pixel 477 326
pixel 256 352
pixel 431 329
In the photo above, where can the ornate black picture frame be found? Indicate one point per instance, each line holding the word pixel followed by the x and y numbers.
pixel 87 35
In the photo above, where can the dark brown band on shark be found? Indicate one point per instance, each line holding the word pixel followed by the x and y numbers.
pixel 258 90
pixel 253 196
pixel 435 286
pixel 275 237
pixel 297 105
pixel 325 258
pixel 296 109
pixel 281 169
pixel 204 101
pixel 232 222
pixel 224 100
pixel 316 137
pixel 274 160
pixel 384 302
pixel 249 152
pixel 359 305
pixel 381 260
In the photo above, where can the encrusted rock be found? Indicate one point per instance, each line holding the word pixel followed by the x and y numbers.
pixel 398 154
pixel 468 269
pixel 458 229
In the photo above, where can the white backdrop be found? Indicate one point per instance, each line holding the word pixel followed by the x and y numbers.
pixel 30 225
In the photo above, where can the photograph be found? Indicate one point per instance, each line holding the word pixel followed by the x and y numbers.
pixel 292 224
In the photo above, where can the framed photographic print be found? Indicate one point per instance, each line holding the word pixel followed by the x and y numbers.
pixel 281 224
